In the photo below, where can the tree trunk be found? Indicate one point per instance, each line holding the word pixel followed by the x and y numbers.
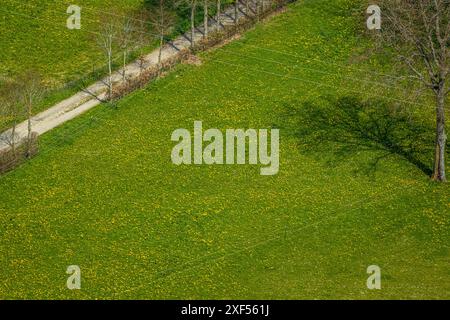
pixel 124 73
pixel 205 18
pixel 110 89
pixel 29 114
pixel 218 12
pixel 13 139
pixel 258 9
pixel 110 78
pixel 161 35
pixel 236 11
pixel 441 138
pixel 193 24
pixel 161 43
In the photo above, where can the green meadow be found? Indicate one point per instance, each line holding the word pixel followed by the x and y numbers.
pixel 353 188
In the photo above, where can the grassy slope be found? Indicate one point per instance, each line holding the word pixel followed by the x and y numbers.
pixel 104 195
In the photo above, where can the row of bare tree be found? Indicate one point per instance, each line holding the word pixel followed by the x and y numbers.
pixel 252 8
pixel 130 32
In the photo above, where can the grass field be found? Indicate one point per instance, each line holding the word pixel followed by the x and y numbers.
pixel 104 195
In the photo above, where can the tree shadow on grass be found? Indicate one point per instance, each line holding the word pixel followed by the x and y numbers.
pixel 346 126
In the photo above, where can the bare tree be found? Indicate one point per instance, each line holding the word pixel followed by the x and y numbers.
pixel 126 39
pixel 31 90
pixel 11 110
pixel 206 4
pixel 418 31
pixel 163 20
pixel 236 12
pixel 106 41
pixel 218 11
pixel 142 36
pixel 192 4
